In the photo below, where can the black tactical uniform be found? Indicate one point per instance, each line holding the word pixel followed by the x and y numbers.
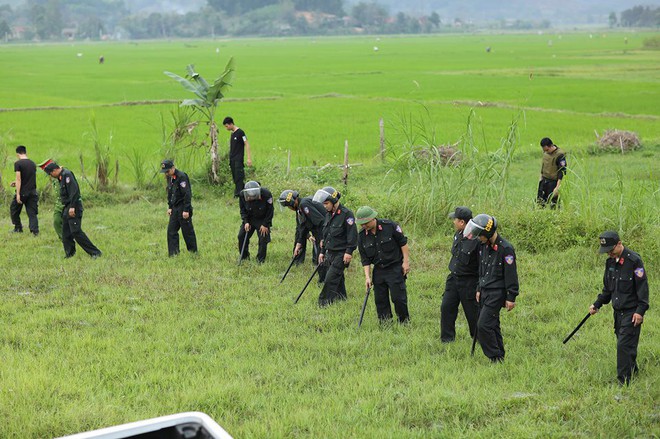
pixel 257 213
pixel 626 286
pixel 552 169
pixel 179 199
pixel 382 249
pixel 498 282
pixel 461 287
pixel 72 226
pixel 339 238
pixel 310 217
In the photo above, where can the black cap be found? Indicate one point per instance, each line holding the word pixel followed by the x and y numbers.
pixel 608 240
pixel 50 167
pixel 546 141
pixel 166 165
pixel 461 212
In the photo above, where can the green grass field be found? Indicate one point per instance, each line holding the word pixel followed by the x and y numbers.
pixel 91 343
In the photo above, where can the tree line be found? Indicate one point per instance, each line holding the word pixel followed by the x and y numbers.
pixel 112 19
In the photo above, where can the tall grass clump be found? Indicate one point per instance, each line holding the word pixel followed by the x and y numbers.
pixel 102 151
pixel 181 142
pixel 4 157
pixel 429 182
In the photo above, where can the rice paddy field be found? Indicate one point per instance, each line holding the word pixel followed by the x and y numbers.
pixel 86 343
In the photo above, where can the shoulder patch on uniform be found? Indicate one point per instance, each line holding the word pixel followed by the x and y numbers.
pixel 380 227
pixel 639 272
pixel 270 200
pixel 398 229
pixel 183 184
pixel 306 210
pixel 68 180
pixel 350 221
pixel 509 259
pixel 562 162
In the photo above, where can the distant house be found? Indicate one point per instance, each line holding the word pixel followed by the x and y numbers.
pixel 18 32
pixel 69 33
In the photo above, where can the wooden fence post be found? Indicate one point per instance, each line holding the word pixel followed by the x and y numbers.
pixel 345 178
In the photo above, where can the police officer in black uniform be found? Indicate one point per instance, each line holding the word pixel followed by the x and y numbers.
pixel 180 210
pixel 339 243
pixel 310 217
pixel 72 213
pixel 626 286
pixel 257 214
pixel 498 282
pixel 461 285
pixel 553 170
pixel 382 244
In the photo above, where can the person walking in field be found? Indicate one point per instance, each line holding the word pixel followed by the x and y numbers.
pixel 462 281
pixel 59 207
pixel 257 210
pixel 498 283
pixel 179 209
pixel 339 243
pixel 72 213
pixel 553 170
pixel 26 192
pixel 625 285
pixel 382 244
pixel 238 146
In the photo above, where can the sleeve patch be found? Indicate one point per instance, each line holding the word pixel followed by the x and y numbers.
pixel 509 259
pixel 270 200
pixel 306 210
pixel 183 184
pixel 639 272
pixel 562 163
pixel 398 229
pixel 244 139
pixel 350 221
pixel 68 180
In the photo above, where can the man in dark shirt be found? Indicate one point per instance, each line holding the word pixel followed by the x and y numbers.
pixel 461 285
pixel 179 209
pixel 498 283
pixel 310 217
pixel 339 243
pixel 626 286
pixel 553 170
pixel 382 244
pixel 26 192
pixel 72 213
pixel 238 146
pixel 257 215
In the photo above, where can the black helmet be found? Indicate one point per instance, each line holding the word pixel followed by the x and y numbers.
pixel 288 198
pixel 481 225
pixel 328 193
pixel 251 191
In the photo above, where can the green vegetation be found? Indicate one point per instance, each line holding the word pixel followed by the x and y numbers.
pixel 91 343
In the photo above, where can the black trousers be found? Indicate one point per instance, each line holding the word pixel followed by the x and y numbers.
pixel 335 287
pixel 263 241
pixel 238 176
pixel 390 282
pixel 72 233
pixel 489 333
pixel 187 230
pixel 458 289
pixel 627 339
pixel 31 203
pixel 544 195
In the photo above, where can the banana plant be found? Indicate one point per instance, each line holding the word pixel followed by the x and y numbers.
pixel 208 96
